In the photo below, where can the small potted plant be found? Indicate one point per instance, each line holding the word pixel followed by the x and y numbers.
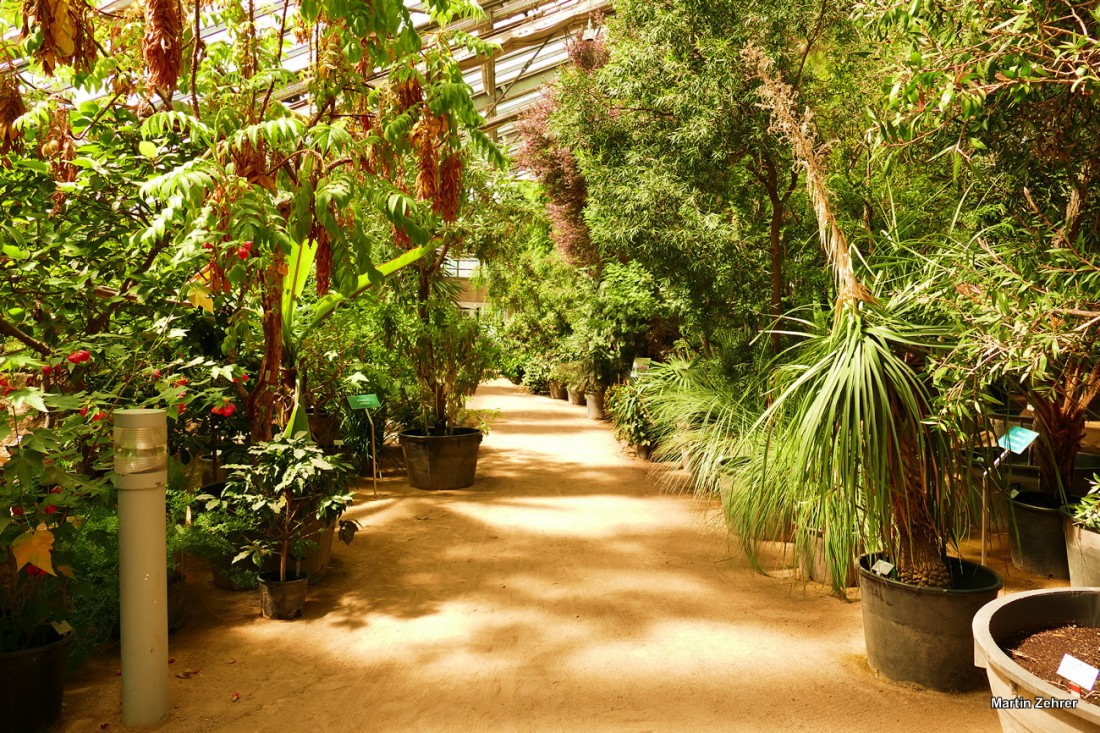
pixel 289 487
pixel 40 503
pixel 631 419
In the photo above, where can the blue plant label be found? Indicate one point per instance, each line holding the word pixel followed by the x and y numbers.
pixel 363 401
pixel 1017 439
pixel 1079 673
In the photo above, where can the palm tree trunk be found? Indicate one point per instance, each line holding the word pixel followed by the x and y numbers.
pixel 918 555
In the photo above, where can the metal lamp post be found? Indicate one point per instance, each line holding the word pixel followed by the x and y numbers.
pixel 141 466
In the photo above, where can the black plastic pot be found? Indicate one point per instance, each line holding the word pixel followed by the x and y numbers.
pixel 1001 620
pixel 282 600
pixel 922 635
pixel 439 462
pixel 32 685
pixel 1037 536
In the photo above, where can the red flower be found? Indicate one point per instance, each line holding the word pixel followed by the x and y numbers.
pixel 99 416
pixel 207 245
pixel 242 379
pixel 244 251
pixel 182 407
pixel 50 509
pixel 47 369
pixel 17 511
pixel 84 411
pixel 181 381
pixel 79 357
pixel 34 570
pixel 56 490
pixel 156 373
pixel 225 410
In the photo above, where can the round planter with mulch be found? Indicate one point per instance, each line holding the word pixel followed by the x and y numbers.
pixel 1001 625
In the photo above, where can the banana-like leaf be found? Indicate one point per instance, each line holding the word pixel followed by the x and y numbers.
pixel 328 304
pixel 299 264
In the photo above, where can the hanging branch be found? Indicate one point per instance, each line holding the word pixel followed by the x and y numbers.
pixel 779 98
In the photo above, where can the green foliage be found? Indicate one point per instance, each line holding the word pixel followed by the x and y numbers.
pixel 289 484
pixel 629 415
pixel 45 499
pixel 1086 513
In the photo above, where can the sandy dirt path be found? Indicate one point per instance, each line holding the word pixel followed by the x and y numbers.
pixel 564 591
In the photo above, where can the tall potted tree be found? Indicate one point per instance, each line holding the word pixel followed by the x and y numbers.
pixel 853 418
pixel 451 356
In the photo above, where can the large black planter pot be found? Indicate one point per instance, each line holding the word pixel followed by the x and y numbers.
pixel 283 601
pixel 1037 536
pixel 1019 613
pixel 922 635
pixel 32 684
pixel 438 462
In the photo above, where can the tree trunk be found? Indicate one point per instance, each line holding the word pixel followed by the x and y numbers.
pixel 775 233
pixel 918 553
pixel 261 403
pixel 1060 421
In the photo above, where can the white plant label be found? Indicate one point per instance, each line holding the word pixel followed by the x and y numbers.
pixel 1081 674
pixel 882 568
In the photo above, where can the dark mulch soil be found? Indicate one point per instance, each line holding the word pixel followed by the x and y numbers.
pixel 1040 652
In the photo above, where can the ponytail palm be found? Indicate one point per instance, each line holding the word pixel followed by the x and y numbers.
pixel 850 429
pixel 851 442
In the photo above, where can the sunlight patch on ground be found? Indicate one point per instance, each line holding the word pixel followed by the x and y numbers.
pixel 588 516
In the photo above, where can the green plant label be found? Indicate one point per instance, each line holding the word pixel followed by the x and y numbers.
pixel 363 401
pixel 1017 439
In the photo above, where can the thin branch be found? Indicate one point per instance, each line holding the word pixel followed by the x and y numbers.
pixel 9 329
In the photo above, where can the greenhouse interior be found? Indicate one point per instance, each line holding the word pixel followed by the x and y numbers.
pixel 549 365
